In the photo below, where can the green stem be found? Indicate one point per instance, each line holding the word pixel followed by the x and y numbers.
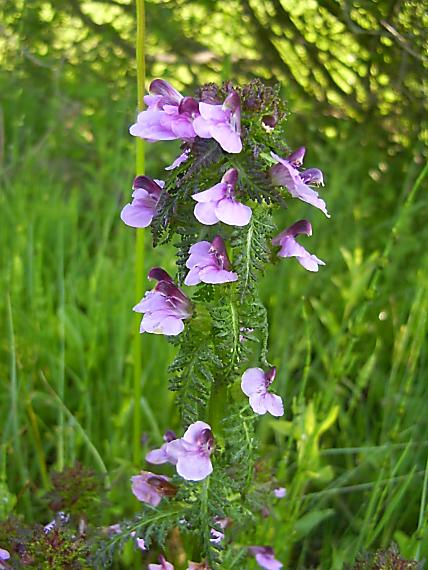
pixel 139 248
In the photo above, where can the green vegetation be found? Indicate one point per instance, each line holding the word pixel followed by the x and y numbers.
pixel 350 342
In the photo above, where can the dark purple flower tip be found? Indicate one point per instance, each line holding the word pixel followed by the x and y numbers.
pixel 146 183
pixel 165 89
pixel 312 176
pixel 269 121
pixel 218 248
pixel 270 375
pixel 163 486
pixel 206 440
pixel 296 157
pixel 232 102
pixel 300 227
pixel 267 550
pixel 170 290
pixel 160 275
pixel 230 177
pixel 189 106
pixel 169 435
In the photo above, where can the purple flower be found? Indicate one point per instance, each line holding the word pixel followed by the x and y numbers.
pixel 169 115
pixel 179 160
pixel 209 263
pixel 265 557
pixel 141 544
pixel 291 248
pixel 255 384
pixel 4 554
pixel 221 122
pixel 150 488
pixel 280 492
pixel 139 213
pixel 216 536
pixel 160 456
pixel 164 565
pixel 218 203
pixel 192 452
pixel 165 307
pixel 285 173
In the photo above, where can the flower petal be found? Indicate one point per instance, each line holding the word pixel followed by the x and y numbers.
pixel 228 139
pixel 213 112
pixel 213 194
pixel 160 322
pixel 232 212
pixel 194 466
pixel 274 404
pixel 202 128
pixel 194 431
pixel 205 213
pixel 253 381
pixel 136 215
pixel 258 403
pixel 192 278
pixel 214 275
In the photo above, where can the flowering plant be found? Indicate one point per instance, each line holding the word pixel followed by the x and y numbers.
pixel 217 203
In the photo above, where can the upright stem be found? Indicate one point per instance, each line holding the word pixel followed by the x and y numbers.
pixel 139 249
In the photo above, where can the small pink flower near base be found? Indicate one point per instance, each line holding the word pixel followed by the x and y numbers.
pixel 221 122
pixel 150 488
pixel 179 160
pixel 218 203
pixel 164 565
pixel 192 452
pixel 291 248
pixel 146 193
pixel 265 557
pixel 255 383
pixel 280 492
pixel 4 554
pixel 285 173
pixel 209 263
pixel 165 307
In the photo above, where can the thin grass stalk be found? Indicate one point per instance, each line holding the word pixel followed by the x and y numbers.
pixel 139 249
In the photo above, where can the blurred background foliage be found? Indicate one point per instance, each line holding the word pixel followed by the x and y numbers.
pixel 350 342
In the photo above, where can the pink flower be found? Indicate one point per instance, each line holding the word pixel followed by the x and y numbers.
pixel 165 307
pixel 217 536
pixel 192 452
pixel 139 213
pixel 285 173
pixel 218 203
pixel 150 488
pixel 164 565
pixel 169 115
pixel 280 492
pixel 209 263
pixel 291 248
pixel 255 384
pixel 221 122
pixel 141 544
pixel 160 456
pixel 4 554
pixel 265 557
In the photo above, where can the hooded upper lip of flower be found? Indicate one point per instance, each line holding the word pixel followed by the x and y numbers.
pixel 221 122
pixel 255 383
pixel 285 173
pixel 291 248
pixel 209 263
pixel 192 452
pixel 150 488
pixel 218 203
pixel 169 115
pixel 146 193
pixel 164 307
